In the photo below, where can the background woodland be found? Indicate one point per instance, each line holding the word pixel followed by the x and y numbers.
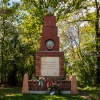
pixel 21 25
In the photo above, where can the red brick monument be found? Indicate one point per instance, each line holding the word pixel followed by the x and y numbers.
pixel 49 63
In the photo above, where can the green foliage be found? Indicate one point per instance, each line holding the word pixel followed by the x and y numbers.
pixel 78 32
pixel 86 68
pixel 13 49
pixel 93 92
pixel 95 95
pixel 21 29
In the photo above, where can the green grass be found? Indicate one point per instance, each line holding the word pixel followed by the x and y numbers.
pixel 92 92
pixel 15 94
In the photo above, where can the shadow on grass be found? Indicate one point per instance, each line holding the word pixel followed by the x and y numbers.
pixel 15 94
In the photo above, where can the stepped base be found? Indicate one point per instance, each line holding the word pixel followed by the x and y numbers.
pixel 38 92
pixel 65 87
pixel 45 92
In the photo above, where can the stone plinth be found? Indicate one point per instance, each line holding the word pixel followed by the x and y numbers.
pixel 25 87
pixel 51 62
pixel 74 85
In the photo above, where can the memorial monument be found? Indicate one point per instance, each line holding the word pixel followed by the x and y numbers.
pixel 49 62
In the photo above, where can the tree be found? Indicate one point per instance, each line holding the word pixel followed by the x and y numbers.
pixel 79 14
pixel 97 30
pixel 8 37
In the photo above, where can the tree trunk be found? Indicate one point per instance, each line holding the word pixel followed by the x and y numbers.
pixel 97 41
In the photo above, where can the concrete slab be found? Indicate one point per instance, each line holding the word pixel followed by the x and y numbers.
pixel 45 92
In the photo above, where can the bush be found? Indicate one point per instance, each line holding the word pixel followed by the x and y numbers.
pixel 95 95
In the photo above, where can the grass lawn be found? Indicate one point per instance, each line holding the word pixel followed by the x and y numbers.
pixel 15 94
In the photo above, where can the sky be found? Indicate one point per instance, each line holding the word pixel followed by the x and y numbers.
pixel 14 1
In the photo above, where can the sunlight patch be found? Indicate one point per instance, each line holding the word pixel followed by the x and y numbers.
pixel 8 95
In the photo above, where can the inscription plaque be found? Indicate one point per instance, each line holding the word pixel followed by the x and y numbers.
pixel 49 66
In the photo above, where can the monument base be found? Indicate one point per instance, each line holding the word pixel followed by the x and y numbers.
pixel 38 92
pixel 45 92
pixel 65 87
pixel 50 64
